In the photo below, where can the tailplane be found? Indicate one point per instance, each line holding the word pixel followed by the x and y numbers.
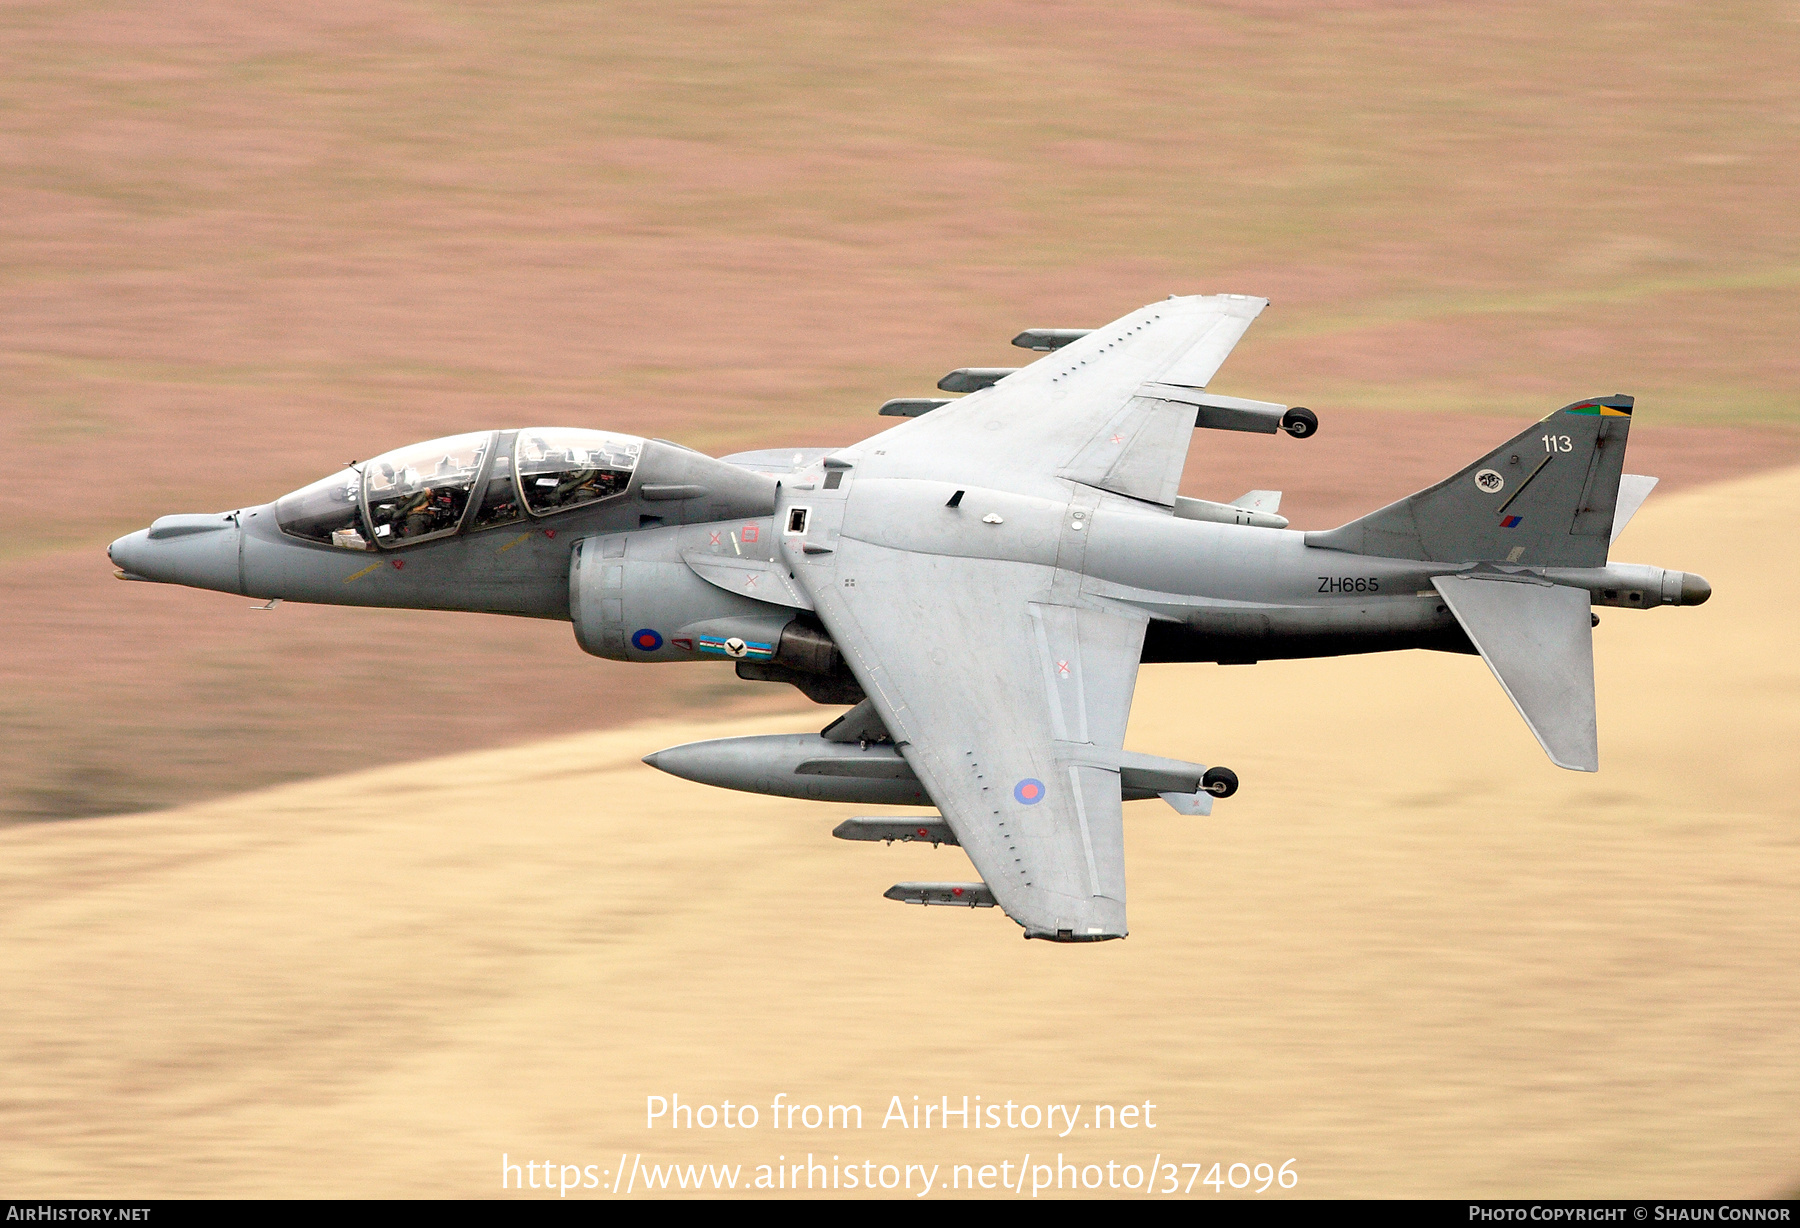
pixel 1537 638
pixel 1545 498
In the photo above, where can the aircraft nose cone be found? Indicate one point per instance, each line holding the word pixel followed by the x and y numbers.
pixel 1694 589
pixel 127 552
pixel 200 551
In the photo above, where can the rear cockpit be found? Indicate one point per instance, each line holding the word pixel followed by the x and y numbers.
pixel 460 483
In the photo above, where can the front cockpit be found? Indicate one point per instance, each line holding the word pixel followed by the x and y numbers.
pixel 346 539
pixel 463 483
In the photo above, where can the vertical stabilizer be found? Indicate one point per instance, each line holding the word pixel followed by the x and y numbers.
pixel 1538 639
pixel 1545 498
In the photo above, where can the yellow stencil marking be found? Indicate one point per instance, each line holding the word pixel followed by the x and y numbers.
pixel 365 571
pixel 515 541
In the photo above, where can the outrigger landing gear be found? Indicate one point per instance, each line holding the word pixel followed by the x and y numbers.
pixel 1219 781
pixel 1300 422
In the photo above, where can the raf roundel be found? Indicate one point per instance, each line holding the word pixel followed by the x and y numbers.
pixel 1028 792
pixel 646 640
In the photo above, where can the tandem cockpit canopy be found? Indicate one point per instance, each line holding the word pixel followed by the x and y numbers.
pixel 460 483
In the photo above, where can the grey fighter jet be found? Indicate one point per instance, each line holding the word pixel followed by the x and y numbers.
pixel 979 584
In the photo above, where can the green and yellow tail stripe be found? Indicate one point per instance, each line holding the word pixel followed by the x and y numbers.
pixel 1601 407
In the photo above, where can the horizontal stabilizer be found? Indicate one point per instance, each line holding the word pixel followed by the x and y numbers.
pixel 926 827
pixel 1259 500
pixel 959 895
pixel 1538 639
pixel 1634 488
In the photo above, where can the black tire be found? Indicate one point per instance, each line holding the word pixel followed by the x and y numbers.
pixel 1220 782
pixel 1300 422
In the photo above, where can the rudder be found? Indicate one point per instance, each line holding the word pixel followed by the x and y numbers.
pixel 1545 498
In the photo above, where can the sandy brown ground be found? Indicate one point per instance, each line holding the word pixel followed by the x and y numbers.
pixel 241 243
pixel 1410 954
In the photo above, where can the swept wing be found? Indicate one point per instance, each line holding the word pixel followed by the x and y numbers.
pixel 1101 411
pixel 1006 687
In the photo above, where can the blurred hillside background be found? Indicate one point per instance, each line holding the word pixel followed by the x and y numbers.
pixel 241 244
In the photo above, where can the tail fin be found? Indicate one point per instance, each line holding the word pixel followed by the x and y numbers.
pixel 1545 498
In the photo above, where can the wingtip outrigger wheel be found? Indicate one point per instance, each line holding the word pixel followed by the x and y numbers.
pixel 1219 781
pixel 1300 422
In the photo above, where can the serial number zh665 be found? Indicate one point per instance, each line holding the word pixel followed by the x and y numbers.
pixel 1349 584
